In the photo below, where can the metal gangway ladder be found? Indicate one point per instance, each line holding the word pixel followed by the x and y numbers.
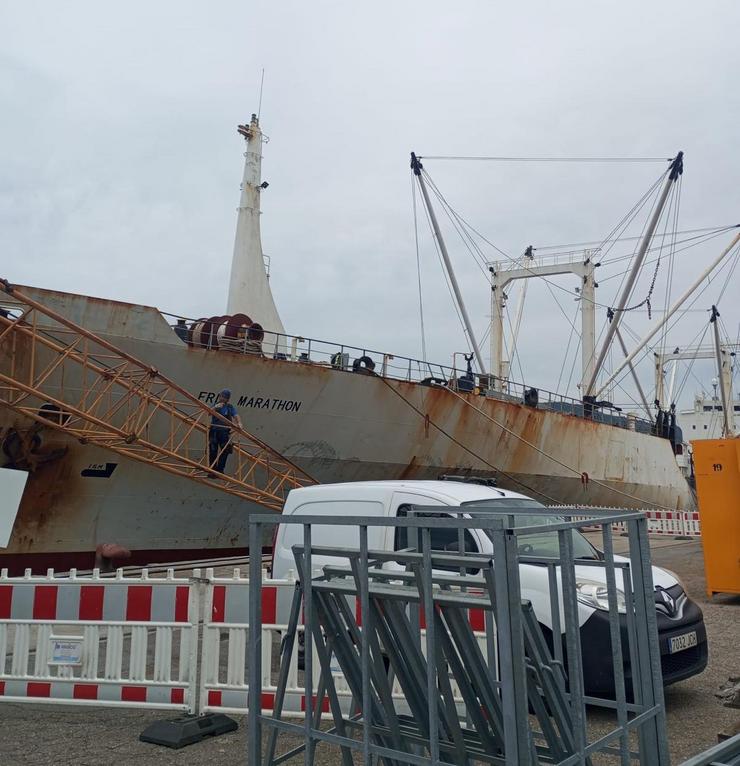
pixel 62 376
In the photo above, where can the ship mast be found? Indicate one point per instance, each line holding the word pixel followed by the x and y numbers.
pixel 249 286
pixel 675 170
pixel 724 373
pixel 417 167
pixel 691 355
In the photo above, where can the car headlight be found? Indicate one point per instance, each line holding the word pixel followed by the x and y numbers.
pixel 595 594
pixel 675 577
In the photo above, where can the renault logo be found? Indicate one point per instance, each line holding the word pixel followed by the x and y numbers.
pixel 666 600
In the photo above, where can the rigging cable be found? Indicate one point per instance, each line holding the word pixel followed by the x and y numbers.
pixel 418 273
pixel 513 352
pixel 565 356
pixel 695 241
pixel 542 452
pixel 617 231
pixel 700 241
pixel 461 220
pixel 439 428
pixel 610 311
pixel 544 159
pixel 580 245
pixel 447 279
pixel 709 281
pixel 671 263
pixel 621 225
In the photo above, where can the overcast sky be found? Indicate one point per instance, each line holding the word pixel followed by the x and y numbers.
pixel 120 164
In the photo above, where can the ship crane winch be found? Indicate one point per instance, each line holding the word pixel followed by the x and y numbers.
pixel 62 376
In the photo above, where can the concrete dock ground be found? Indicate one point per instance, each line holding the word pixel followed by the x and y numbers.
pixel 49 735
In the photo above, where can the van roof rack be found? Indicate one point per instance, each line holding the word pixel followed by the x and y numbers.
pixel 483 481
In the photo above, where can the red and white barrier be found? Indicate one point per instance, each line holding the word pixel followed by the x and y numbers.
pixel 223 684
pixel 87 640
pixel 133 641
pixel 670 523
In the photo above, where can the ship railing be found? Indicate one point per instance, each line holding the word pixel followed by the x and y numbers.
pixel 566 405
pixel 552 259
pixel 345 358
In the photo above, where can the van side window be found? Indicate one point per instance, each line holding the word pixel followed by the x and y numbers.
pixel 442 539
pixel 401 539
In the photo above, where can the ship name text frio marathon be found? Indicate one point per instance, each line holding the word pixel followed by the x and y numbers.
pixel 255 402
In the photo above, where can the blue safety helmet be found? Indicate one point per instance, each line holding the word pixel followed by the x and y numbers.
pixel 226 393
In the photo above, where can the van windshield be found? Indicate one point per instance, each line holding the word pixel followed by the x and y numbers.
pixel 541 544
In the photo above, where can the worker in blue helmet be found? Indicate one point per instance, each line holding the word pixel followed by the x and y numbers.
pixel 219 434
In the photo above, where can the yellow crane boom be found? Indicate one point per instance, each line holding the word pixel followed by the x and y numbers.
pixel 65 377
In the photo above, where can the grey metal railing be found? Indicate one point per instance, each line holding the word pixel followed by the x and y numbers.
pixel 523 698
pixel 345 358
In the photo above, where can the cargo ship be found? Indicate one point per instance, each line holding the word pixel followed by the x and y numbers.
pixel 339 412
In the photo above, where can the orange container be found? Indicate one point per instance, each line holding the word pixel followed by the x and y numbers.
pixel 717 469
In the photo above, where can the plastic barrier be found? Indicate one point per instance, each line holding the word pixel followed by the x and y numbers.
pixel 223 686
pixel 87 640
pixel 672 523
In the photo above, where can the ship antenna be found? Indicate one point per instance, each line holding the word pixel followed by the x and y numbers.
pixel 259 102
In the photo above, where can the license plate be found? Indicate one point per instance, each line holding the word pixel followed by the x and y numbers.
pixel 679 643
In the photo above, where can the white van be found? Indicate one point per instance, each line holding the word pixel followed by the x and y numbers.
pixel 683 638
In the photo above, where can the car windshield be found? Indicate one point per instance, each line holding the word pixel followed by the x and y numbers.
pixel 542 543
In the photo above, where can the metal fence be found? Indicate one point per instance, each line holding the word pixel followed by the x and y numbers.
pixel 523 703
pixel 726 753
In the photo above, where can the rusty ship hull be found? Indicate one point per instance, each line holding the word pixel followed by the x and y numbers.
pixel 335 424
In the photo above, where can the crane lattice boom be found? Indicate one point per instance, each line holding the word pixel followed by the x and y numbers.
pixel 67 378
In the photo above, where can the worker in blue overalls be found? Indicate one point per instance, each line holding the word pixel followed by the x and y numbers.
pixel 219 434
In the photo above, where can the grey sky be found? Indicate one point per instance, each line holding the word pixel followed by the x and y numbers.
pixel 120 164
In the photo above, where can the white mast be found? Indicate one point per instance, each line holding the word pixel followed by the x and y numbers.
pixel 676 170
pixel 724 371
pixel 417 167
pixel 528 254
pixel 249 286
pixel 690 355
pixel 502 274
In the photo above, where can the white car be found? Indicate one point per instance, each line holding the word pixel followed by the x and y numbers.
pixel 682 635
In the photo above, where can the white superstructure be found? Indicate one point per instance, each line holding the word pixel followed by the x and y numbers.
pixel 705 419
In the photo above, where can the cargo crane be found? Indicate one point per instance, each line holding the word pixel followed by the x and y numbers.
pixel 64 377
